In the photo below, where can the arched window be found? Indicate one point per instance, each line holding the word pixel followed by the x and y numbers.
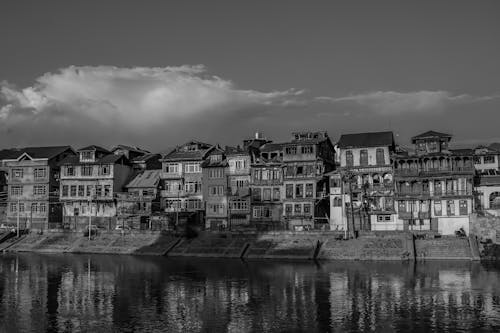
pixel 349 160
pixel 376 179
pixel 380 156
pixel 387 178
pixel 495 200
pixel 337 202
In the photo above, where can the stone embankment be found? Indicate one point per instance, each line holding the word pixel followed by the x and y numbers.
pixel 250 246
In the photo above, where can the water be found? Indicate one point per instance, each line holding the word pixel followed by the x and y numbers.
pixel 97 293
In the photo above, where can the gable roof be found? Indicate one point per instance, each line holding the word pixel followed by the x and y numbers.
pixel 130 148
pixel 34 152
pixel 96 148
pixel 147 178
pixel 145 157
pixel 371 139
pixel 430 134
pixel 190 155
pixel 268 147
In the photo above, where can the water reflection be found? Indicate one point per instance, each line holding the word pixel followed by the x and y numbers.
pixel 71 293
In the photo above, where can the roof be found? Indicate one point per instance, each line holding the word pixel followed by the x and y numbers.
pixel 268 147
pixel 209 164
pixel 107 159
pixel 495 146
pixel 145 157
pixel 94 147
pixel 182 155
pixel 148 178
pixel 431 134
pixel 130 148
pixel 34 152
pixel 372 139
pixel 462 151
pixel 235 151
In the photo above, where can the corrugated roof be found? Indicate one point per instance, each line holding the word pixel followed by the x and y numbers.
pixel 431 134
pixel 34 152
pixel 148 178
pixel 372 139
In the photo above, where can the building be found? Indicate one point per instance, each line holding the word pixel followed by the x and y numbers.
pixel 89 182
pixel 434 185
pixel 140 201
pixel 266 188
pixel 33 186
pixel 307 158
pixel 487 182
pixel 129 151
pixel 215 189
pixel 146 162
pixel 181 181
pixel 362 188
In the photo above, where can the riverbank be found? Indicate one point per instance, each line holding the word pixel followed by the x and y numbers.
pixel 284 245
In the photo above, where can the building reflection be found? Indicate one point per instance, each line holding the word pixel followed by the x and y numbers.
pixel 71 293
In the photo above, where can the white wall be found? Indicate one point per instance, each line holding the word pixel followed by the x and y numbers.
pixel 372 159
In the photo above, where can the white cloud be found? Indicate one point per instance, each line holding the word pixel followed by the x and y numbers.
pixel 392 102
pixel 129 100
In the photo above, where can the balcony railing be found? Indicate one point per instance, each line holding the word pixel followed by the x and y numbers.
pixel 435 193
pixel 432 171
pixel 182 193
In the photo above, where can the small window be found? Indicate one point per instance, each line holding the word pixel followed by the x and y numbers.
pixel 489 159
pixel 363 157
pixel 349 159
pixel 298 209
pixel 288 209
pixel 40 173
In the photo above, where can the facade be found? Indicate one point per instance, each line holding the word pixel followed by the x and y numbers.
pixel 215 189
pixel 266 188
pixel 33 187
pixel 140 201
pixel 306 160
pixel 434 185
pixel 89 182
pixel 362 188
pixel 181 180
pixel 487 182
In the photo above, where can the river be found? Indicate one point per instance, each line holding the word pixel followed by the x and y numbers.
pixel 100 293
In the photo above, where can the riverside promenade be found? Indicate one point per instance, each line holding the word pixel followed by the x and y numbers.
pixel 282 245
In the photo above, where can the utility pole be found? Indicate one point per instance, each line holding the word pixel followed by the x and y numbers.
pixel 90 214
pixel 18 218
pixel 350 203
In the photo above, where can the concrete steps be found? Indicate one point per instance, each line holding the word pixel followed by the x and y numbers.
pixel 449 248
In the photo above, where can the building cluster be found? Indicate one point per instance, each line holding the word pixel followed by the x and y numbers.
pixel 364 181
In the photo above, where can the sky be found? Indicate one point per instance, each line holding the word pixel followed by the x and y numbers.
pixel 156 74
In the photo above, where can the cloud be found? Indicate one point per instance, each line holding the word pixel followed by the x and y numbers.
pixel 392 102
pixel 85 103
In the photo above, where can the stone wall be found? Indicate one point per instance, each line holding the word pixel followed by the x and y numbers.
pixel 486 227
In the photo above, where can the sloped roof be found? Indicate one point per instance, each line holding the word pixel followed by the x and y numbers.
pixel 96 148
pixel 107 159
pixel 462 151
pixel 147 178
pixel 235 151
pixel 371 139
pixel 130 148
pixel 34 152
pixel 145 157
pixel 495 146
pixel 430 134
pixel 183 155
pixel 272 147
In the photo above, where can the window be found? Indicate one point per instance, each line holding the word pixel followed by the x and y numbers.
pixel 261 212
pixel 363 157
pixel 256 194
pixel 17 173
pixel 349 159
pixel 87 155
pixel 477 159
pixel 42 208
pixel 107 190
pixel 86 170
pixel 69 170
pixel 298 209
pixel 379 155
pixel 299 190
pixel 384 218
pixel 215 191
pixel 89 190
pixel 307 149
pixel 309 190
pixel 40 173
pixel 289 191
pixel 276 194
pixel 307 209
pixel 288 209
pixel 172 168
pixel 13 207
pixel 34 208
pixel 239 205
pixel 192 168
pixel 21 207
pixel 257 212
pixel 265 174
pixel 337 202
pixel 65 189
pixel 72 191
pixel 239 164
pixel 39 190
pixel 300 170
pixel 215 158
pixel 98 190
pixel 334 182
pixel 192 187
pixel 105 170
pixel 489 159
pixel 216 208
pixel 402 206
pixel 215 173
pixel 463 207
pixel 16 190
pixel 450 207
pixel 267 194
pixel 291 150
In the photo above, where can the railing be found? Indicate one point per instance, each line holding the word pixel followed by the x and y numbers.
pixel 435 193
pixel 172 194
pixel 431 171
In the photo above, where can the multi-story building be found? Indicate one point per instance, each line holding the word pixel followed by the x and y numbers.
pixel 33 186
pixel 306 160
pixel 487 182
pixel 89 182
pixel 266 188
pixel 362 187
pixel 215 189
pixel 140 201
pixel 181 179
pixel 146 162
pixel 238 174
pixel 434 185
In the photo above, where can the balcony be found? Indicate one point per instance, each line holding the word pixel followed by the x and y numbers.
pixel 238 191
pixel 433 171
pixel 420 193
pixel 175 194
pixel 267 182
